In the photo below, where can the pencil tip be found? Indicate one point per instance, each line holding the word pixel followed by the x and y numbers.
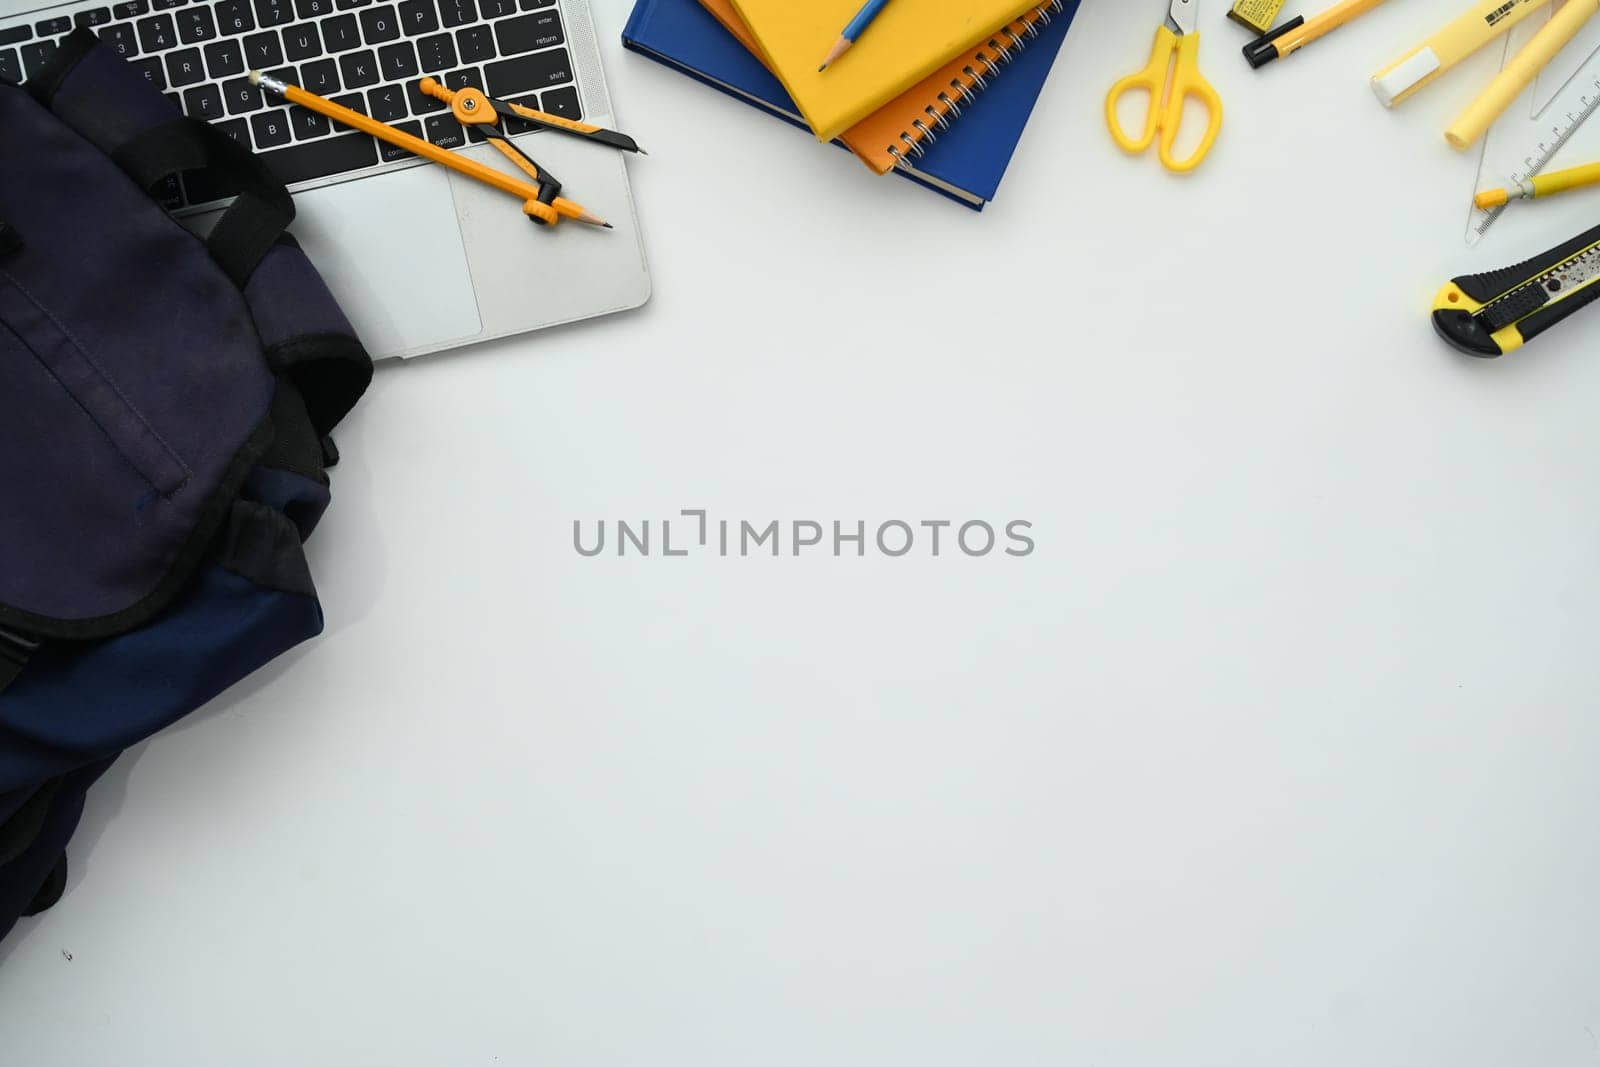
pixel 822 68
pixel 608 225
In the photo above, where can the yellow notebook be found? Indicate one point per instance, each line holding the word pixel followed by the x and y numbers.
pixel 904 45
pixel 884 139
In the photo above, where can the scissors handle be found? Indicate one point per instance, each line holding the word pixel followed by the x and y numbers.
pixel 1153 80
pixel 1188 83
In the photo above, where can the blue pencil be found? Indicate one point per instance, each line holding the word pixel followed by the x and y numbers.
pixel 857 27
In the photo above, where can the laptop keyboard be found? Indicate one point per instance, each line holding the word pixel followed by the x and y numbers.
pixel 365 54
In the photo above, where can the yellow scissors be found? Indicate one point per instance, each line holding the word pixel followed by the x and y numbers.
pixel 1169 84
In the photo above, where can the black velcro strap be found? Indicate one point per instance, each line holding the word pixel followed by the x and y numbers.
pixel 331 371
pixel 252 223
pixel 15 651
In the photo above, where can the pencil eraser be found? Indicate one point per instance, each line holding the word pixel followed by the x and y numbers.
pixel 1405 76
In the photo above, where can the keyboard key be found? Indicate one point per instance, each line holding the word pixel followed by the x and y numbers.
pixel 195 24
pixel 310 9
pixel 165 5
pixel 475 43
pixel 460 79
pixel 203 102
pixel 453 13
pixel 380 24
pixel 510 77
pixel 53 27
pixel 398 61
pixel 444 131
pixel 36 55
pixel 360 69
pixel 240 96
pixel 130 9
pixel 238 129
pixel 235 16
pixel 340 33
pixel 157 33
pixel 497 9
pixel 10 65
pixel 418 16
pixel 436 53
pixel 224 59
pixel 185 67
pixel 168 193
pixel 563 102
pixel 16 35
pixel 320 77
pixel 151 69
pixel 301 42
pixel 420 103
pixel 388 153
pixel 262 50
pixel 271 128
pixel 529 5
pixel 353 101
pixel 307 124
pixel 273 13
pixel 95 16
pixel 350 5
pixel 319 159
pixel 528 32
pixel 287 75
pixel 388 102
pixel 518 126
pixel 122 39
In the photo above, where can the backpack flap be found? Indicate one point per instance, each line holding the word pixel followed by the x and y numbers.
pixel 133 392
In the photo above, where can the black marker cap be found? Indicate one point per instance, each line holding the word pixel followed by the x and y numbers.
pixel 1261 51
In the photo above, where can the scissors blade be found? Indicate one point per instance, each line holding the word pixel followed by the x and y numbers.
pixel 1182 17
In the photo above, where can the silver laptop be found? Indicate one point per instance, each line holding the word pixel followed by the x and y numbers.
pixel 421 258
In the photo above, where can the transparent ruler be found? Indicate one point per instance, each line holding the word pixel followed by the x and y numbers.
pixel 1546 127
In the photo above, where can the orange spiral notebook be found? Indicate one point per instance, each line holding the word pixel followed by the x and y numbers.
pixel 898 130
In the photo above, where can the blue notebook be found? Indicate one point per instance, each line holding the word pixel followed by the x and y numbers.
pixel 965 162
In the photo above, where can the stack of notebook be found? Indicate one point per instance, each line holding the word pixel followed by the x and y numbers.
pixel 937 91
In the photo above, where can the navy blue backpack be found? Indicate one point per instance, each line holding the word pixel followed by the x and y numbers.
pixel 165 401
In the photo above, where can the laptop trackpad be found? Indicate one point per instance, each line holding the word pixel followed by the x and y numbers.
pixel 390 249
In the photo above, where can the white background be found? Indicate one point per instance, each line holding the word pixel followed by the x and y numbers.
pixel 1280 748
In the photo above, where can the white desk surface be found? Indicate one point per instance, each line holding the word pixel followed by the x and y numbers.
pixel 1280 748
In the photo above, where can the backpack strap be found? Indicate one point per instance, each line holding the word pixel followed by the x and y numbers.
pixel 305 336
pixel 109 103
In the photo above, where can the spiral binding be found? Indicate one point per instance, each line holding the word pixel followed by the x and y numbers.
pixel 1003 45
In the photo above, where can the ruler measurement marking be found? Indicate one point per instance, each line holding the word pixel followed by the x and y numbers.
pixel 1545 152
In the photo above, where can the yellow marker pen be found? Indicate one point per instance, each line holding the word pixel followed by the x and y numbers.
pixel 1518 74
pixel 1449 46
pixel 1299 31
pixel 1560 181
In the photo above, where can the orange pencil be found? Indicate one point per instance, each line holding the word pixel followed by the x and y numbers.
pixel 560 207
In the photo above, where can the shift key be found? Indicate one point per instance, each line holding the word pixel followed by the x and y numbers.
pixel 513 77
pixel 319 159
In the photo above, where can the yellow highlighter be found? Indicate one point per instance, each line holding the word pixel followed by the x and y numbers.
pixel 1450 46
pixel 1560 181
pixel 1520 73
pixel 1299 31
